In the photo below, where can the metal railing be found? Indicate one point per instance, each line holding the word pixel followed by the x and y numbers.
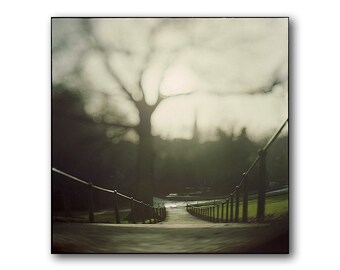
pixel 139 209
pixel 215 211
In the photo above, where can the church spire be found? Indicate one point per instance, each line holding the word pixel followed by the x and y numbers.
pixel 195 135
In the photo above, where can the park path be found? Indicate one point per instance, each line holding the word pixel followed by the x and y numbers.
pixel 177 215
pixel 178 233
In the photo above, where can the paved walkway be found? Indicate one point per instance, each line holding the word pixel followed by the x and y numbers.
pixel 179 215
pixel 178 233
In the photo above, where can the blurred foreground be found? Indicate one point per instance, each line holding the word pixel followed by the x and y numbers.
pixel 179 233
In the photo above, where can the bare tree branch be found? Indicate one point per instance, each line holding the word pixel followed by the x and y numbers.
pixel 162 97
pixel 105 55
pixel 261 90
pixel 150 54
pixel 115 76
pixel 258 91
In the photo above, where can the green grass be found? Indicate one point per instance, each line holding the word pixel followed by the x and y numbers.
pixel 276 207
pixel 106 216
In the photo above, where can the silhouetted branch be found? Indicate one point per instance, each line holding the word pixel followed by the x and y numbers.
pixel 163 97
pixel 117 79
pixel 258 91
pixel 105 55
pixel 150 54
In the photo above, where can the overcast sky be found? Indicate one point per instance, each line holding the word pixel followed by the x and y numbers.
pixel 189 55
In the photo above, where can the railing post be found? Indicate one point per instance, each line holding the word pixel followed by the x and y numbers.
pixel 245 198
pixel 132 204
pixel 91 203
pixel 143 212
pixel 222 209
pixel 218 213
pixel 261 200
pixel 150 213
pixel 231 207
pixel 154 214
pixel 237 204
pixel 226 210
pixel 213 213
pixel 116 207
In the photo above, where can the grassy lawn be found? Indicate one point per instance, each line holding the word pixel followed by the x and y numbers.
pixel 276 207
pixel 105 216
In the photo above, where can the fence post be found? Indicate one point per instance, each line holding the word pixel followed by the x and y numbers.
pixel 222 209
pixel 231 207
pixel 150 213
pixel 143 212
pixel 245 198
pixel 261 200
pixel 116 207
pixel 154 215
pixel 237 204
pixel 132 203
pixel 91 203
pixel 226 210
pixel 218 213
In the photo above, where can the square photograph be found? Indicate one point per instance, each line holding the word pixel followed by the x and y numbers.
pixel 169 135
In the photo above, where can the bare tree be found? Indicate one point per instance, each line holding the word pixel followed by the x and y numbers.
pixel 135 94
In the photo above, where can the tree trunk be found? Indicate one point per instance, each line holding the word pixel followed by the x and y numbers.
pixel 145 158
